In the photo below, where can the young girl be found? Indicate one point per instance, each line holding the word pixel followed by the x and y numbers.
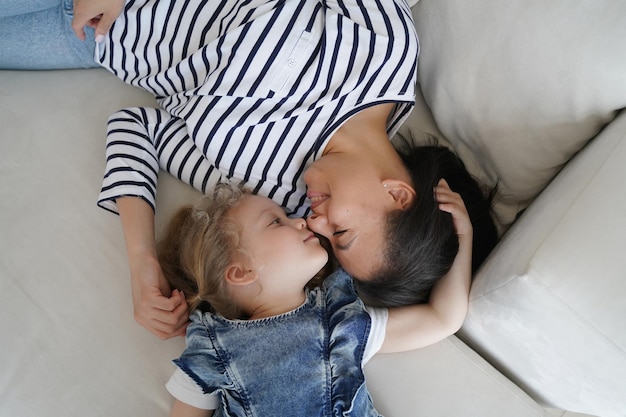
pixel 259 344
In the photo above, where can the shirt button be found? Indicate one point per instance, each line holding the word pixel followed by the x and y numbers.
pixel 291 62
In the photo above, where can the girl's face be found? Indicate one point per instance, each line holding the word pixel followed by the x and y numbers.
pixel 277 246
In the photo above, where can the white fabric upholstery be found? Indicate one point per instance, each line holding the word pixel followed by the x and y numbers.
pixel 548 307
pixel 70 346
pixel 444 380
pixel 518 87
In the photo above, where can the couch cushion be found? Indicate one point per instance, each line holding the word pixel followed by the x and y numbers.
pixel 442 380
pixel 548 306
pixel 519 87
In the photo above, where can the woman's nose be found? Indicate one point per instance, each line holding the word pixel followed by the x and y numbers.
pixel 317 223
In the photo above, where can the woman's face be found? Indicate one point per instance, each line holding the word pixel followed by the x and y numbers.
pixel 350 202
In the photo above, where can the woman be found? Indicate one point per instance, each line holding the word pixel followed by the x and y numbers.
pixel 286 96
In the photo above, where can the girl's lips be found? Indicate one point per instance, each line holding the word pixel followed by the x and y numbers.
pixel 311 236
pixel 316 198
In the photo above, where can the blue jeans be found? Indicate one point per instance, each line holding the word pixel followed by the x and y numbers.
pixel 36 34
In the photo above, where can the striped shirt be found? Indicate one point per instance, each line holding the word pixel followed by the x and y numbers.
pixel 249 90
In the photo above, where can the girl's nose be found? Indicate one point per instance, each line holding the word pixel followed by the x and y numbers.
pixel 300 223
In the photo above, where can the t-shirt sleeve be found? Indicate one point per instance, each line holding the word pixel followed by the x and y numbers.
pixel 142 140
pixel 184 389
pixel 377 332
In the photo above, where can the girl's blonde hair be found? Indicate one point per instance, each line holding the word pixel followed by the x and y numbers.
pixel 198 246
pixel 200 243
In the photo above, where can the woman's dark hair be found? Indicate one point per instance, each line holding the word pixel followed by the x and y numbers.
pixel 422 241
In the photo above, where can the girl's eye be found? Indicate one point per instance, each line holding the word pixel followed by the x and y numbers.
pixel 275 221
pixel 339 232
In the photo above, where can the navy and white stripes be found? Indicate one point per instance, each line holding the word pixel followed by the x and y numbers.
pixel 250 90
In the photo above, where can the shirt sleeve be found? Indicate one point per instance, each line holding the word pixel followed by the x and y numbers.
pixel 140 141
pixel 377 332
pixel 184 389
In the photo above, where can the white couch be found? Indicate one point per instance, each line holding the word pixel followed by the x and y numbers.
pixel 518 89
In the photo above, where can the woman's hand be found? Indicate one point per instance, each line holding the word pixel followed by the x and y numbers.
pixel 97 14
pixel 160 310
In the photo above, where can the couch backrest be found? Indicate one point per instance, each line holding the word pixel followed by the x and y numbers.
pixel 518 87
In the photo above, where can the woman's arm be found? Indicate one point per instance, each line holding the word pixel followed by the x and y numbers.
pixel 140 141
pixel 180 409
pixel 156 307
pixel 416 326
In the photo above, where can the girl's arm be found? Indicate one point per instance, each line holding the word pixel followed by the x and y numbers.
pixel 416 326
pixel 180 409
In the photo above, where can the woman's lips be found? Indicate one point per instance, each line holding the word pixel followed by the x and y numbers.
pixel 316 198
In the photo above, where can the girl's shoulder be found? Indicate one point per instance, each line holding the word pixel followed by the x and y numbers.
pixel 340 294
pixel 339 279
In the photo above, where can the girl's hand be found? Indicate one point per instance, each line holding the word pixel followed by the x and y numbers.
pixel 452 203
pixel 97 14
pixel 412 327
pixel 160 310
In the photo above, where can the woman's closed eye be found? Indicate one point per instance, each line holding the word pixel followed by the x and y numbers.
pixel 342 240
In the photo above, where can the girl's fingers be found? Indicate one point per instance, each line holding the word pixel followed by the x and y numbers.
pixel 452 203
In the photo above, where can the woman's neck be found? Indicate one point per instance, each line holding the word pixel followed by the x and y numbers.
pixel 364 136
pixel 366 128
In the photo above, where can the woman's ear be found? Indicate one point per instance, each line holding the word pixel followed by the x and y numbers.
pixel 401 192
pixel 240 274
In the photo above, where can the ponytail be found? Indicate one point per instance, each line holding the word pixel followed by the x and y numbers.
pixel 197 248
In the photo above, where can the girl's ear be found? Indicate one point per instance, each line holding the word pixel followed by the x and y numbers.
pixel 240 274
pixel 400 191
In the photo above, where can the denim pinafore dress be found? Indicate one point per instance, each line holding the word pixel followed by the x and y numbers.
pixel 306 362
